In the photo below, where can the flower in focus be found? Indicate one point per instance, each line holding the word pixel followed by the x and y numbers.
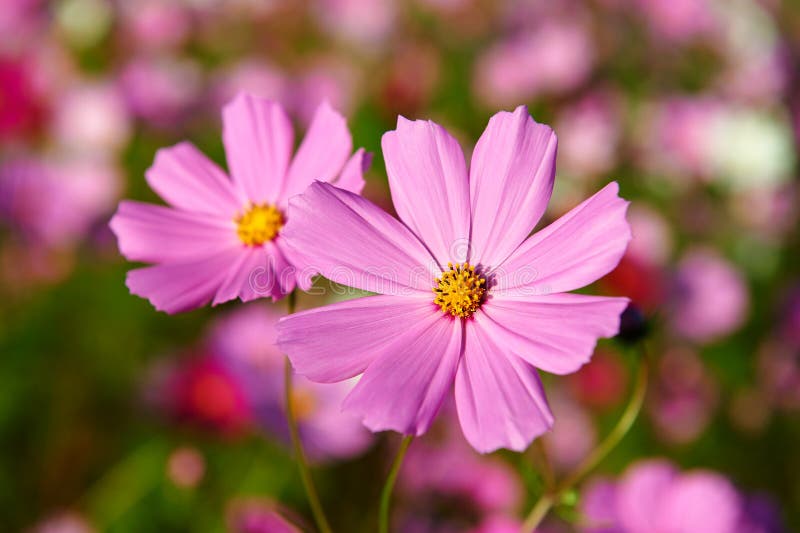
pixel 464 295
pixel 221 237
pixel 244 342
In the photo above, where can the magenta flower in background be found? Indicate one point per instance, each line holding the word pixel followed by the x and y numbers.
pixel 443 477
pixel 653 496
pixel 464 295
pixel 259 516
pixel 221 237
pixel 684 396
pixel 557 56
pixel 244 343
pixel 161 90
pixel 52 203
pixel 710 300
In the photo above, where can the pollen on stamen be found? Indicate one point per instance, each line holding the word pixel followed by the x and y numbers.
pixel 259 224
pixel 459 290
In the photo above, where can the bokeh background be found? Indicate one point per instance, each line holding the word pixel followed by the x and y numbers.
pixel 115 417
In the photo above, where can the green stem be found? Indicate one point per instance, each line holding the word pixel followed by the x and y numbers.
pixel 622 427
pixel 386 494
pixel 297 445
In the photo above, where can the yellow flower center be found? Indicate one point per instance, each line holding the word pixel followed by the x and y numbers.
pixel 459 290
pixel 259 224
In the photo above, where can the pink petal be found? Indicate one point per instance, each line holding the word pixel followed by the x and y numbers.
pixel 353 242
pixel 572 252
pixel 556 333
pixel 259 272
pixel 323 152
pixel 258 141
pixel 336 342
pixel 187 179
pixel 640 494
pixel 403 388
pixel 429 183
pixel 176 287
pixel 700 501
pixel 156 234
pixel 499 397
pixel 352 176
pixel 511 179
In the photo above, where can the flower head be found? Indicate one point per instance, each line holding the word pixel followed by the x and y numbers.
pixel 465 296
pixel 221 237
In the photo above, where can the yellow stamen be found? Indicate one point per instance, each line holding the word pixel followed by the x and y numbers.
pixel 259 224
pixel 459 290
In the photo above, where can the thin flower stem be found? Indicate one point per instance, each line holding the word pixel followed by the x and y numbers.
pixel 386 494
pixel 297 445
pixel 543 459
pixel 622 427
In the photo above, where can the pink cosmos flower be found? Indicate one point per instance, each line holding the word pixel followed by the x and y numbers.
pixel 654 496
pixel 221 237
pixel 464 295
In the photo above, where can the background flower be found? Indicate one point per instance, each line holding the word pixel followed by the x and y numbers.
pixel 691 106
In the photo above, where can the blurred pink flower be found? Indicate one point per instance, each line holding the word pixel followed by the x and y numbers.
pixel 326 80
pixel 186 467
pixel 589 133
pixel 364 23
pixel 442 475
pixel 200 390
pixel 778 366
pixel 641 281
pixel 494 317
pixel 259 516
pixel 162 90
pixel 253 76
pixel 652 240
pixel 411 77
pixel 244 341
pixel 64 522
pixel 683 398
pixel 91 118
pixel 654 496
pixel 222 237
pixel 20 21
pixel 53 203
pixel 155 24
pixel 555 57
pixel 679 21
pixel 21 112
pixel 573 435
pixel 710 299
pixel 677 137
pixel 602 382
